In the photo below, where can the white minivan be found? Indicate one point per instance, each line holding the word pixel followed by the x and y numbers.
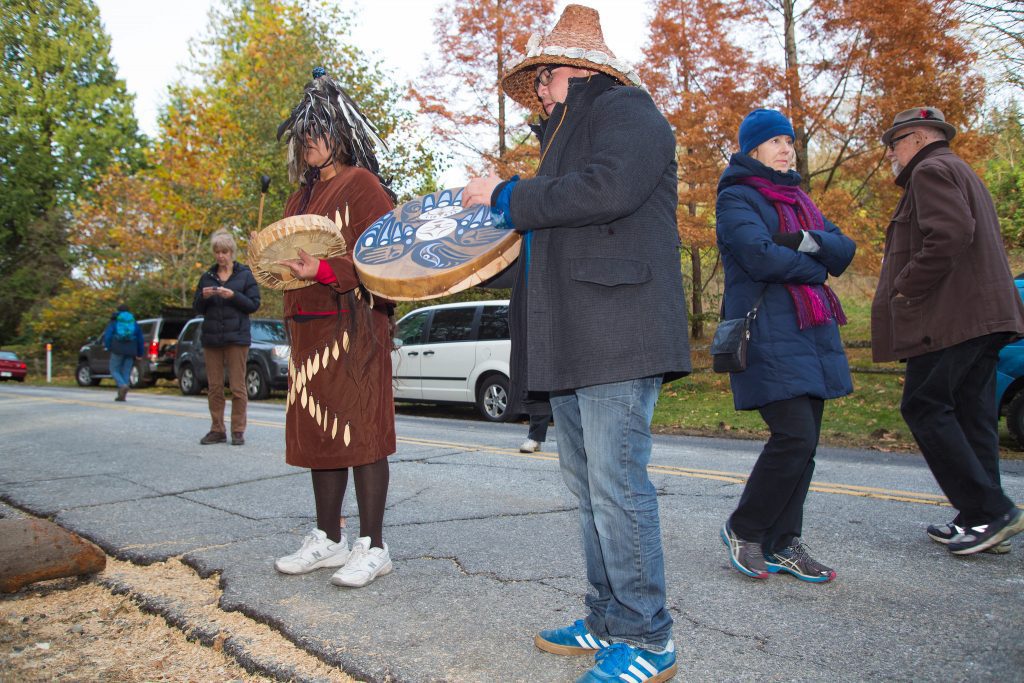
pixel 455 353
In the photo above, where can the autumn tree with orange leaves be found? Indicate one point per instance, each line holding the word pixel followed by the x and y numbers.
pixel 847 67
pixel 478 40
pixel 705 83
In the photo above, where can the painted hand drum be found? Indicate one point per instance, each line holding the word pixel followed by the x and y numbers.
pixel 432 246
pixel 317 235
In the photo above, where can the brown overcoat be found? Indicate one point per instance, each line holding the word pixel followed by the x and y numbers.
pixel 945 278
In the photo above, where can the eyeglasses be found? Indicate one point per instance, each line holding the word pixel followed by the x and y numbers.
pixel 545 75
pixel 892 143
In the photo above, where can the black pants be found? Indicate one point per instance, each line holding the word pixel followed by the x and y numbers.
pixel 771 509
pixel 537 407
pixel 949 403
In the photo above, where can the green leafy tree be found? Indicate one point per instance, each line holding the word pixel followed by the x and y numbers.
pixel 1004 171
pixel 217 137
pixel 66 117
pixel 252 67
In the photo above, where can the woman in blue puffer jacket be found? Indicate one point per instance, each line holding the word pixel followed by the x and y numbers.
pixel 777 247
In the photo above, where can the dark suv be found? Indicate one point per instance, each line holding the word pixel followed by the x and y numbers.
pixel 160 335
pixel 266 368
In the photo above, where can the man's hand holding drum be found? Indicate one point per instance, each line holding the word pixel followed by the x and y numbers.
pixel 479 190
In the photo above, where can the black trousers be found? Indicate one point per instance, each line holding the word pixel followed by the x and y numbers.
pixel 537 407
pixel 949 403
pixel 771 509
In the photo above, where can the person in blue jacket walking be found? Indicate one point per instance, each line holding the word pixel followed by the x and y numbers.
pixel 776 247
pixel 123 338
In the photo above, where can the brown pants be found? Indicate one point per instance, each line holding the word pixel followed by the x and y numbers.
pixel 217 359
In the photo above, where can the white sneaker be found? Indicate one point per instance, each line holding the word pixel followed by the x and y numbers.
pixel 529 446
pixel 317 551
pixel 364 565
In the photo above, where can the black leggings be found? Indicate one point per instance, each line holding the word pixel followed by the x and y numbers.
pixel 371 495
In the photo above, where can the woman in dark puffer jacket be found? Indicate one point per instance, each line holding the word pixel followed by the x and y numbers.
pixel 225 296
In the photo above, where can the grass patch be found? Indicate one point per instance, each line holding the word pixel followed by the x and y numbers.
pixel 869 418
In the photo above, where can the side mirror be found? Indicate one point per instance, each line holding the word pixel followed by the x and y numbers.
pixel 397 342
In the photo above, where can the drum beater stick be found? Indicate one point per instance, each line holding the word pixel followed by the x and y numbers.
pixel 264 184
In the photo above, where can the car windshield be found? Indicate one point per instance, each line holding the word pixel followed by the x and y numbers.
pixel 8 355
pixel 268 331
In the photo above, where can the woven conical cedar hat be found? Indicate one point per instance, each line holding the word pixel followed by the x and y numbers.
pixel 317 235
pixel 576 40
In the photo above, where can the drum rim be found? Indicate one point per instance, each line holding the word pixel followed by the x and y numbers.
pixel 313 223
pixel 438 283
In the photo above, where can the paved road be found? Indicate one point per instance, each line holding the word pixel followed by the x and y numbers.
pixel 486 551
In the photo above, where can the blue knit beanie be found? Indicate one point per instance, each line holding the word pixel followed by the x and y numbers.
pixel 761 125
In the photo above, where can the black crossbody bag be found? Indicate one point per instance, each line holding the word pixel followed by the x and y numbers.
pixel 729 347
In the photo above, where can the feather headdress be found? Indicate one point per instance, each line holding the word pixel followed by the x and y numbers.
pixel 326 112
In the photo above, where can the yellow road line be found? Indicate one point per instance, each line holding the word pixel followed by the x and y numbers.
pixel 672 470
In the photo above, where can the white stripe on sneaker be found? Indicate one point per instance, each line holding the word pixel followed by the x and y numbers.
pixel 640 675
pixel 647 665
pixel 582 640
pixel 630 679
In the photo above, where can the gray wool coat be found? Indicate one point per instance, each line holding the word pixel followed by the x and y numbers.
pixel 600 289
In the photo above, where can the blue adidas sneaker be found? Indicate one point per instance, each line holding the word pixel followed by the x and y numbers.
pixel 571 640
pixel 628 664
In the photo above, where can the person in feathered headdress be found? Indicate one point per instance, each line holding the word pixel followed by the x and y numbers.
pixel 340 411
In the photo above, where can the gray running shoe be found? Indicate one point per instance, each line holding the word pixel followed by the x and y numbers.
pixel 796 560
pixel 979 538
pixel 944 533
pixel 746 556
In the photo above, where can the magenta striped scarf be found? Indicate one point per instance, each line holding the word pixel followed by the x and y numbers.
pixel 815 304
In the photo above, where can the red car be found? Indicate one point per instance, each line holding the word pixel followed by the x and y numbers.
pixel 11 367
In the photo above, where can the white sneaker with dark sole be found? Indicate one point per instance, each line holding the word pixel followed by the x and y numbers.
pixel 364 565
pixel 316 551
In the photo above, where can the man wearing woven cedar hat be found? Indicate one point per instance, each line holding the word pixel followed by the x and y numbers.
pixel 598 319
pixel 946 303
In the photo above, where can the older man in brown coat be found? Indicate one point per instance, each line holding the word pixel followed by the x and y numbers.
pixel 946 303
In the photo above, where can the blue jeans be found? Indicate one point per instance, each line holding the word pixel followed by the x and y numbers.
pixel 604 445
pixel 120 368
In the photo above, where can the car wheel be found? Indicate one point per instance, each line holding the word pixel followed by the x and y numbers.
pixel 257 384
pixel 187 381
pixel 493 397
pixel 83 375
pixel 1015 418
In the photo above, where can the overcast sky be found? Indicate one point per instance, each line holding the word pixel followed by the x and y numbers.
pixel 150 39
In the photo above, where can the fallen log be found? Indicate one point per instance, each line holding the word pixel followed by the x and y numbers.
pixel 37 550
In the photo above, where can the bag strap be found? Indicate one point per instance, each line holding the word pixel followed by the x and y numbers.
pixel 752 313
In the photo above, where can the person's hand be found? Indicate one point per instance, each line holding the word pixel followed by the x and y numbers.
pixel 225 293
pixel 789 239
pixel 479 190
pixel 208 292
pixel 305 267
